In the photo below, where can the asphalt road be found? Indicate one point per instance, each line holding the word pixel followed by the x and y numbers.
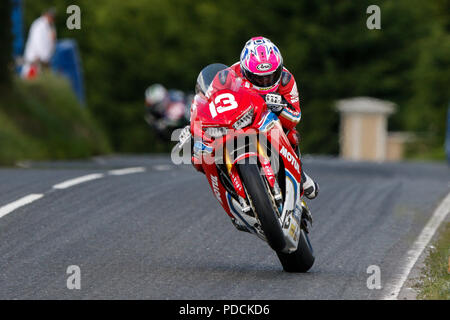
pixel 161 234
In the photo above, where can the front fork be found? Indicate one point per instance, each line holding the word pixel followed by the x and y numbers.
pixel 268 172
pixel 305 217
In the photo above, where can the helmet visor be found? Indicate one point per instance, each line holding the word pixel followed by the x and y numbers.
pixel 264 81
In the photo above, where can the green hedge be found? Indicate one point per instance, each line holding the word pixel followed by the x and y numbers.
pixel 42 119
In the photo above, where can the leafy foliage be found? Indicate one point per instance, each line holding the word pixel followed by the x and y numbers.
pixel 42 119
pixel 128 45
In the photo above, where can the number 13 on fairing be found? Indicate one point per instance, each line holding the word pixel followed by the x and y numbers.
pixel 223 102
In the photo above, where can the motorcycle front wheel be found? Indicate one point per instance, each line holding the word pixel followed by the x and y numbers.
pixel 259 195
pixel 302 259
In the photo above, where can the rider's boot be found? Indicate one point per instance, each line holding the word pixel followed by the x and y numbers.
pixel 310 187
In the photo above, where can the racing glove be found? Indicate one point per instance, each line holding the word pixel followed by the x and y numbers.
pixel 275 103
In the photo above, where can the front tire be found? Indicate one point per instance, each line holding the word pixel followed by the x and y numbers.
pixel 302 259
pixel 258 193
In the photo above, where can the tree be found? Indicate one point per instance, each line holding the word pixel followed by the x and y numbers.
pixel 128 45
pixel 6 41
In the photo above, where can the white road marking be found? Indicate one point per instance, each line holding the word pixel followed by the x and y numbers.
pixel 19 203
pixel 120 172
pixel 23 164
pixel 72 182
pixel 64 185
pixel 419 245
pixel 162 167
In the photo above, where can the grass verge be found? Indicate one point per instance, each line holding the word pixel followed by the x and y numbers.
pixel 42 119
pixel 434 283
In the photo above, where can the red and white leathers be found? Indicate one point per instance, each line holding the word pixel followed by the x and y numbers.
pixel 291 115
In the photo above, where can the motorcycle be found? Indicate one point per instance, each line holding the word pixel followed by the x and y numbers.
pixel 170 115
pixel 251 167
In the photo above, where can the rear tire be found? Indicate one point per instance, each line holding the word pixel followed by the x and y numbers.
pixel 302 259
pixel 257 191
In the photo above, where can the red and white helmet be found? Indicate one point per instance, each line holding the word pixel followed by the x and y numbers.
pixel 261 63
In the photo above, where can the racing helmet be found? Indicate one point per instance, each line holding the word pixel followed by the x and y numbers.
pixel 155 94
pixel 262 64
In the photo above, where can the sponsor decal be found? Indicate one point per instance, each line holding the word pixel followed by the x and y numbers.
pixel 200 147
pixel 258 41
pixel 264 66
pixel 215 186
pixel 294 93
pixel 290 158
pixel 293 225
pixel 292 232
pixel 296 215
pixel 236 183
pixel 268 172
pixel 287 219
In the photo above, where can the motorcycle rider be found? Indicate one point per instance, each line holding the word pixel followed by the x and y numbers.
pixel 155 100
pixel 164 108
pixel 261 64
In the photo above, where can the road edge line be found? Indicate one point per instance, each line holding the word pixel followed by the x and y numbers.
pixel 419 245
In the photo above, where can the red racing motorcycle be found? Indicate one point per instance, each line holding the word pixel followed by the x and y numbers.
pixel 250 165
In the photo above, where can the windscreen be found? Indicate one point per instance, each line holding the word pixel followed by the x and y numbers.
pixel 206 77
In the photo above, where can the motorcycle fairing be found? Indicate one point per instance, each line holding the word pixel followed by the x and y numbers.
pixel 224 112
